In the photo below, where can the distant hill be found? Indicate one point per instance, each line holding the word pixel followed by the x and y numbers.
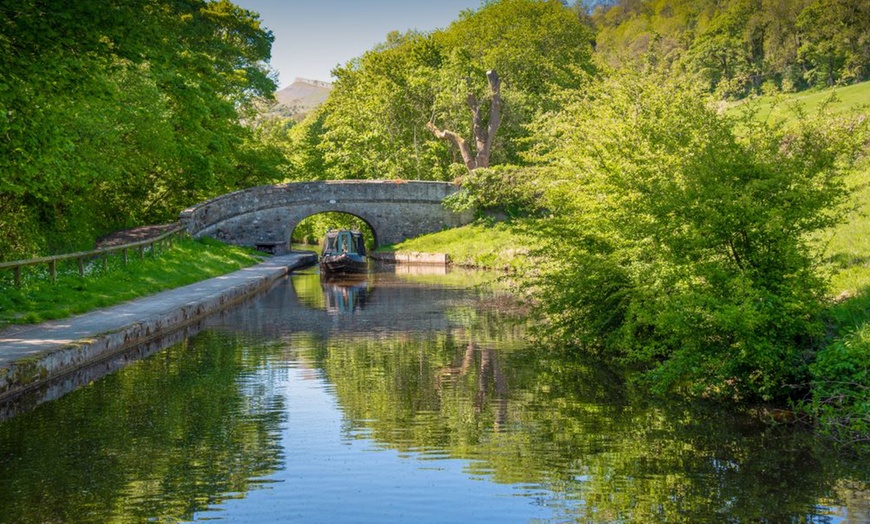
pixel 301 97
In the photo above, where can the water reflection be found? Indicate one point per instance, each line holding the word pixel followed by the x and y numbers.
pixel 345 294
pixel 172 435
pixel 419 402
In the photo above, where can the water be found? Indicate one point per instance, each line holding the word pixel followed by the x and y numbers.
pixel 400 398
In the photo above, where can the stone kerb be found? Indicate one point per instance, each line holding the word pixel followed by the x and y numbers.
pixel 267 215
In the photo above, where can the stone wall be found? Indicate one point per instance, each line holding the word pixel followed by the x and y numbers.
pixel 266 216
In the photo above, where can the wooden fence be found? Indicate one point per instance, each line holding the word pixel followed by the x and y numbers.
pixel 156 244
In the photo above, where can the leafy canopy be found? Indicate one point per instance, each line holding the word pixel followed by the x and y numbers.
pixel 122 112
pixel 374 123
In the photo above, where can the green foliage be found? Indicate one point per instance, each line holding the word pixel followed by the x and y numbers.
pixel 681 245
pixel 120 113
pixel 305 159
pixel 508 189
pixel 507 36
pixel 736 46
pixel 187 262
pixel 840 399
pixel 725 52
pixel 373 124
pixel 375 116
pixel 836 41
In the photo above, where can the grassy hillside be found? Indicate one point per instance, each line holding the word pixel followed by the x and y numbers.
pixel 848 246
pixel 780 107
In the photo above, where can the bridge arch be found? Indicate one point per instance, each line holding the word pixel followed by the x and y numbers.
pixel 267 215
pixel 374 234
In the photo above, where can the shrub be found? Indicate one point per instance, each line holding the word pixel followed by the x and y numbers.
pixel 840 397
pixel 511 190
pixel 684 245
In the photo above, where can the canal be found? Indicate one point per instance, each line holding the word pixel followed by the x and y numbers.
pixel 401 398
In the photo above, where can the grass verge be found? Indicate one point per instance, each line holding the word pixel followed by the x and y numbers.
pixel 189 261
pixel 482 244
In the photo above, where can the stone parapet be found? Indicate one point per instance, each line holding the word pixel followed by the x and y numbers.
pixel 395 210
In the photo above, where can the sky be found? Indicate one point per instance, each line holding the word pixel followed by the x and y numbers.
pixel 314 36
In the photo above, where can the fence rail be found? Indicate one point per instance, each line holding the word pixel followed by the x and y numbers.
pixel 154 243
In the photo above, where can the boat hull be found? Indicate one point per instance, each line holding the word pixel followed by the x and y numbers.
pixel 343 264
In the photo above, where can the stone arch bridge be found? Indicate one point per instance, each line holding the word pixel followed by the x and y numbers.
pixel 265 216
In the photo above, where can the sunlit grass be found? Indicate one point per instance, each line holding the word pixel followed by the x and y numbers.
pixel 189 261
pixel 483 244
pixel 848 245
pixel 780 107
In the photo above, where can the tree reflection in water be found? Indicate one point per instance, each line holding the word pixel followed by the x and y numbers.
pixel 175 434
pixel 432 372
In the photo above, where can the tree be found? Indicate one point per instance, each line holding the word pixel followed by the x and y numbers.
pixel 483 135
pixel 374 119
pixel 119 112
pixel 834 41
pixel 728 52
pixel 374 124
pixel 737 45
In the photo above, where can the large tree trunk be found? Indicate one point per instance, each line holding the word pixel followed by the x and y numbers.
pixel 483 136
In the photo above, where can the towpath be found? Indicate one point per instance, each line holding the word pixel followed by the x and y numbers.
pixel 45 350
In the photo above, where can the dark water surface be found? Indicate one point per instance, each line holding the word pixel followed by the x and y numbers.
pixel 399 398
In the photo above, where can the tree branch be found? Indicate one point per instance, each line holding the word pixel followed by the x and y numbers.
pixel 458 141
pixel 494 119
pixel 477 123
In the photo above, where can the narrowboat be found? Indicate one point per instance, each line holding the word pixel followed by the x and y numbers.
pixel 344 252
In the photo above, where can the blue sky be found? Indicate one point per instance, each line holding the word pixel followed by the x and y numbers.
pixel 313 36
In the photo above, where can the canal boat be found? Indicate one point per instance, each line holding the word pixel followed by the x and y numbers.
pixel 344 252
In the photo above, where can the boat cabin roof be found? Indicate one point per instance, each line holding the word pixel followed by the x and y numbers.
pixel 344 241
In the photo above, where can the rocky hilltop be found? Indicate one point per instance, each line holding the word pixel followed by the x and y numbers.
pixel 301 97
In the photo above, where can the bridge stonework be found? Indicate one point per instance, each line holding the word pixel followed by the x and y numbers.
pixel 267 215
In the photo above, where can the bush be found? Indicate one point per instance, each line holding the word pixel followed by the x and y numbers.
pixel 511 190
pixel 840 398
pixel 684 246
